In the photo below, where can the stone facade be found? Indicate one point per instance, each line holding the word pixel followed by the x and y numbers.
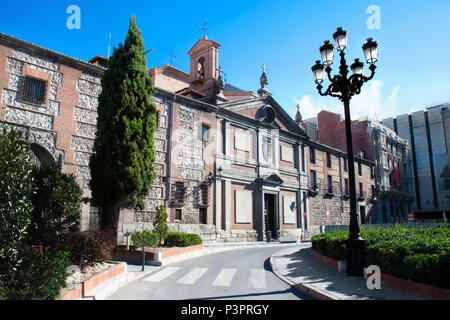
pixel 231 164
pixel 329 205
pixel 58 125
pixel 392 195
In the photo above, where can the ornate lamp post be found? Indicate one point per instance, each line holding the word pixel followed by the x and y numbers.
pixel 211 178
pixel 345 87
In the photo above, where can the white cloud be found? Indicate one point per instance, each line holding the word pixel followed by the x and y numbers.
pixel 310 106
pixel 370 102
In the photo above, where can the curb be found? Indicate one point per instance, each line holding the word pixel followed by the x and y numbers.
pixel 303 288
pixel 92 286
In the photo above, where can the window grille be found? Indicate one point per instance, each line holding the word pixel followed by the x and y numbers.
pixel 33 90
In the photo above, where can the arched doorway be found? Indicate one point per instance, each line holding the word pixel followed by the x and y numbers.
pixel 39 156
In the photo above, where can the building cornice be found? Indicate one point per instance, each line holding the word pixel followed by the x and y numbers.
pixel 30 48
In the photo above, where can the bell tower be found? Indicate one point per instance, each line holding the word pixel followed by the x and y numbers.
pixel 204 64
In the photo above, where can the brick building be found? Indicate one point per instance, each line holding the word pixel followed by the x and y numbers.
pixel 51 100
pixel 206 129
pixel 392 191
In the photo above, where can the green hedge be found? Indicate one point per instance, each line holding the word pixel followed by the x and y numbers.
pixel 421 255
pixel 145 239
pixel 180 239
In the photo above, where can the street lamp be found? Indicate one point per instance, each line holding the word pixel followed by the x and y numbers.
pixel 211 178
pixel 345 87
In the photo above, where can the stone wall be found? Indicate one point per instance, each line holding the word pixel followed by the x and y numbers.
pixel 188 158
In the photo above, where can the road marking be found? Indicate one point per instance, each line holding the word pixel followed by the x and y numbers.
pixel 224 278
pixel 161 275
pixel 257 279
pixel 193 276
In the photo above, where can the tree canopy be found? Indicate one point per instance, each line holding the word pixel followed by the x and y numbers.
pixel 122 165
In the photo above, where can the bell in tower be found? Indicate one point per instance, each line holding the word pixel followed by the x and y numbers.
pixel 204 57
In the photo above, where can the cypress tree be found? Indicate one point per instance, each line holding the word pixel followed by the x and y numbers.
pixel 122 164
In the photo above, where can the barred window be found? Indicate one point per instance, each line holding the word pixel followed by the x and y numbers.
pixel 33 90
pixel 178 193
pixel 203 195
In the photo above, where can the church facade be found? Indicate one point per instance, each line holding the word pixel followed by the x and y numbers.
pixel 231 165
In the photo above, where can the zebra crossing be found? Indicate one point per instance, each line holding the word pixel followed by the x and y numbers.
pixel 256 278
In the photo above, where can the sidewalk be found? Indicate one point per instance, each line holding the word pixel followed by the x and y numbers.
pixel 297 267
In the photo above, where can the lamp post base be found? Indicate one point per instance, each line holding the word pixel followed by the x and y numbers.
pixel 355 260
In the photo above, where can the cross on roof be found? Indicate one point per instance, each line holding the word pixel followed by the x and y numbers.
pixel 171 57
pixel 204 27
pixel 264 68
pixel 220 71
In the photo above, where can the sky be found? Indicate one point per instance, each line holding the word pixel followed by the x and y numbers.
pixel 413 71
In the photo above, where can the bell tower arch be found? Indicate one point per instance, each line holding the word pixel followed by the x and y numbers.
pixel 204 57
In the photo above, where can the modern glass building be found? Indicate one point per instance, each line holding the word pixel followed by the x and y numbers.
pixel 428 133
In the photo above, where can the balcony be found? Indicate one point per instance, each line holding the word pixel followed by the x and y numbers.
pixel 361 196
pixel 313 190
pixel 330 191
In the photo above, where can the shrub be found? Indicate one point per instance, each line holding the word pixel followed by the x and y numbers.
pixel 16 189
pixel 88 248
pixel 180 239
pixel 41 276
pixel 332 244
pixel 57 205
pixel 160 224
pixel 144 239
pixel 421 255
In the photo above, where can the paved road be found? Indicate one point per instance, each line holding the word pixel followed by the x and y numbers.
pixel 234 275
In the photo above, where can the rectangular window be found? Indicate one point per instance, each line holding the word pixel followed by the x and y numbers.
pixel 328 160
pixel 330 184
pixel 178 193
pixel 313 179
pixel 312 155
pixel 178 214
pixel 373 190
pixel 359 169
pixel 32 90
pixel 345 165
pixel 203 195
pixel 361 190
pixel 203 216
pixel 205 133
pixel 346 189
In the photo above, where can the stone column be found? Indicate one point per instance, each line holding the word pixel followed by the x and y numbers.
pixel 228 209
pixel 218 206
pixel 258 210
pixel 227 138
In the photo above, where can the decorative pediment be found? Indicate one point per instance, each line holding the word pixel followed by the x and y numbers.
pixel 266 110
pixel 273 179
pixel 203 44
